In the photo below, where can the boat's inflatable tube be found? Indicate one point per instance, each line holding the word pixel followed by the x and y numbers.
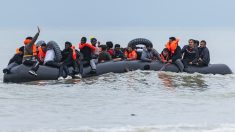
pixel 20 73
pixel 140 41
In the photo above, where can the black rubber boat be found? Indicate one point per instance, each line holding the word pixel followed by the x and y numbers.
pixel 20 72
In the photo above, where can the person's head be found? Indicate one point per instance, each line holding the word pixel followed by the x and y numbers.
pixel 149 47
pixel 109 44
pixel 83 40
pixel 27 40
pixel 117 47
pixel 44 47
pixel 171 39
pixel 196 43
pixel 191 43
pixel 129 49
pixel 203 44
pixel 93 41
pixel 67 45
pixel 165 52
pixel 103 47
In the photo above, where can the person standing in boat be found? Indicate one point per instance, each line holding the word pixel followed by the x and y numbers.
pixel 30 53
pixel 204 54
pixel 15 60
pixel 130 54
pixel 149 54
pixel 87 50
pixel 175 53
pixel 190 54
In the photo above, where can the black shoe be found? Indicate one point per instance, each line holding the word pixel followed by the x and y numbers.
pixel 31 72
pixel 6 71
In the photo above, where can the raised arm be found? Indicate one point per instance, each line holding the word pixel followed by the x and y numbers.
pixel 34 38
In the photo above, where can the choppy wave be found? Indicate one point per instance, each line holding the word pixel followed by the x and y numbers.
pixel 110 102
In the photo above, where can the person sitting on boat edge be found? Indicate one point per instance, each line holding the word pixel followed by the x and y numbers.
pixel 77 63
pixel 30 53
pixel 204 55
pixel 49 59
pixel 104 55
pixel 165 56
pixel 87 50
pixel 175 53
pixel 41 52
pixel 15 60
pixel 69 58
pixel 149 54
pixel 190 54
pixel 110 49
pixel 130 54
pixel 118 54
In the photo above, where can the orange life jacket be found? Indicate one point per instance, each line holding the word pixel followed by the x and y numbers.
pixel 41 54
pixel 132 55
pixel 34 48
pixel 74 54
pixel 172 46
pixel 17 50
pixel 81 46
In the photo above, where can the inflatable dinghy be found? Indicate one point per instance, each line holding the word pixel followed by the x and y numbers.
pixel 20 73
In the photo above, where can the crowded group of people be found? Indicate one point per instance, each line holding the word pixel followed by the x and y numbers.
pixel 90 54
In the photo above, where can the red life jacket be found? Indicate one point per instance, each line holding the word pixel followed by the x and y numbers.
pixel 164 59
pixel 74 54
pixel 41 54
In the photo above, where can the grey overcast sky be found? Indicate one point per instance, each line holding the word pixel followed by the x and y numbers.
pixel 117 13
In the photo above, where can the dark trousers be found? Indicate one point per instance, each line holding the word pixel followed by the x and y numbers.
pixel 33 63
pixel 64 67
pixel 78 65
pixel 58 65
pixel 179 64
pixel 77 68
